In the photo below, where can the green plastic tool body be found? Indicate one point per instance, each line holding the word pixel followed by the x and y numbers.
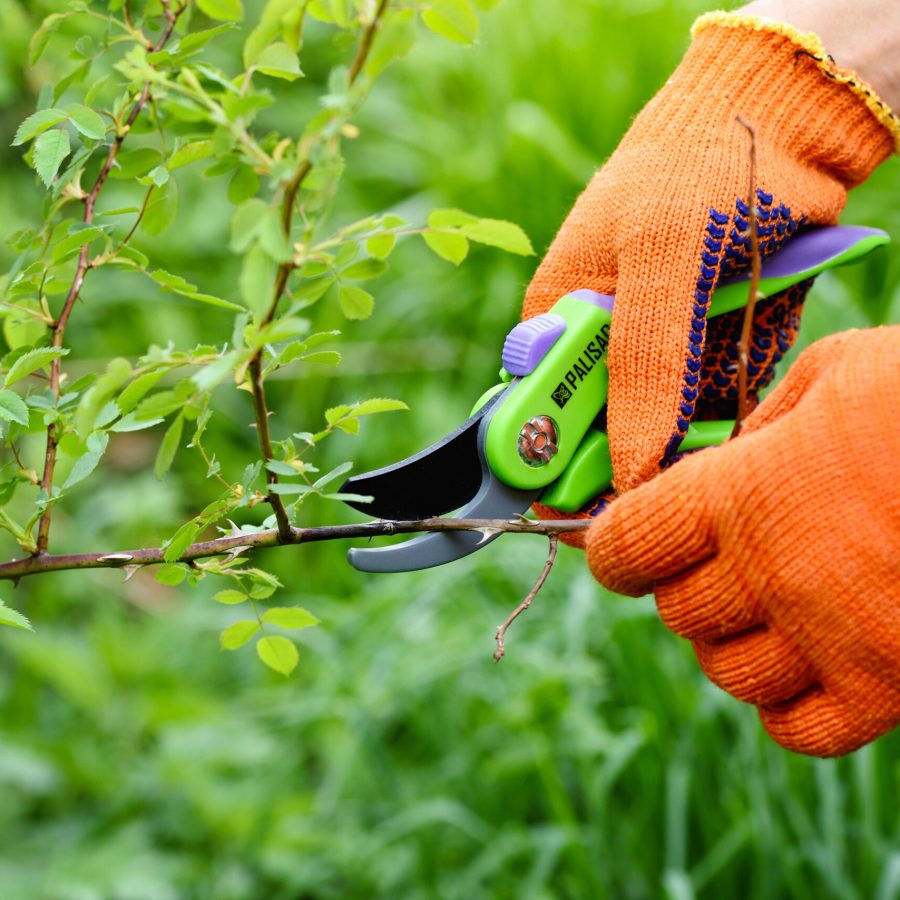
pixel 570 386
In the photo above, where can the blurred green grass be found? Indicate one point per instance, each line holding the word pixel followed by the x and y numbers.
pixel 137 761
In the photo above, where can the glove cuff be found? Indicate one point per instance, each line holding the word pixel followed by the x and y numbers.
pixel 809 48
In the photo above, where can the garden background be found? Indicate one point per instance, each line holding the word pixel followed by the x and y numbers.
pixel 138 761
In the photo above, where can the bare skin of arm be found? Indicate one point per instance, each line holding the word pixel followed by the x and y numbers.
pixel 863 35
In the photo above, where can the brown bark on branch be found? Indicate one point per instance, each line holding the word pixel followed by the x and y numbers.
pixel 36 565
pixel 255 368
pixel 81 270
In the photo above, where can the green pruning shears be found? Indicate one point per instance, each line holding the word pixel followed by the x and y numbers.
pixel 532 436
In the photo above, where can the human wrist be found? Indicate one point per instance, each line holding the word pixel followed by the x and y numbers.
pixel 866 42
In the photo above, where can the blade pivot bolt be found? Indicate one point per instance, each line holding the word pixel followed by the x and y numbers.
pixel 538 441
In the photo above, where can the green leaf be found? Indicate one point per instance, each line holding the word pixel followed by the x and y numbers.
pixel 15 619
pixel 50 149
pixel 497 233
pixel 278 653
pixel 381 245
pixel 230 597
pixel 168 448
pixel 336 472
pixel 171 575
pixel 134 163
pixel 293 617
pixel 453 19
pixel 222 10
pixel 364 270
pixel 238 634
pixel 41 37
pixel 181 540
pixel 243 185
pixel 31 362
pixel 355 302
pixel 450 218
pixel 377 405
pixel 135 392
pixel 448 245
pixel 89 460
pixel 88 122
pixel 281 468
pixel 13 408
pixel 161 209
pixel 74 241
pixel 256 279
pixel 278 60
pixel 190 152
pixel 37 123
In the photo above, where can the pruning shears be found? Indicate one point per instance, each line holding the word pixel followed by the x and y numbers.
pixel 535 435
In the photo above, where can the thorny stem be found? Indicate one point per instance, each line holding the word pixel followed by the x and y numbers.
pixel 548 566
pixel 255 367
pixel 743 409
pixel 236 543
pixel 81 269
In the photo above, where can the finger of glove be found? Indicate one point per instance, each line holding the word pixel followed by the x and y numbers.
pixel 656 345
pixel 709 601
pixel 658 530
pixel 820 723
pixel 759 665
pixel 812 364
pixel 578 257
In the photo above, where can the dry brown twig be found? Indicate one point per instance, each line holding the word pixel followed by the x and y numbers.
pixel 743 408
pixel 548 566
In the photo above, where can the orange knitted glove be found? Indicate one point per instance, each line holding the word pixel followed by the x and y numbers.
pixel 666 217
pixel 778 554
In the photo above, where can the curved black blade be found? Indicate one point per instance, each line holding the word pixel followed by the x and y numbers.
pixel 494 500
pixel 440 478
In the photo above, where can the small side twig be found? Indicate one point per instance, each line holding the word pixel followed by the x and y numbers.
pixel 743 408
pixel 501 631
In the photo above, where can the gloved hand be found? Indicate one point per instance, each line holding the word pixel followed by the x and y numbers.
pixel 666 217
pixel 778 554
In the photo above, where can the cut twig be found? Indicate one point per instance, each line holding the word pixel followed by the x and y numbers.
pixel 743 407
pixel 501 631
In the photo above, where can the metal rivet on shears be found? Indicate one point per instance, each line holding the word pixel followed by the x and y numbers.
pixel 538 441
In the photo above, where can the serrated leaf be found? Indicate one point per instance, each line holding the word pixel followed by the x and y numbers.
pixel 281 468
pixel 238 634
pixel 278 653
pixel 137 390
pixel 293 617
pixel 450 218
pixel 87 121
pixel 364 270
pixel 14 619
pixel 13 408
pixel 222 10
pixel 73 242
pixel 50 149
pixel 336 472
pixel 89 460
pixel 230 597
pixel 171 575
pixel 452 19
pixel 355 302
pixel 37 123
pixel 161 208
pixel 381 245
pixel 448 245
pixel 181 540
pixel 278 60
pixel 190 152
pixel 377 405
pixel 498 233
pixel 168 448
pixel 32 361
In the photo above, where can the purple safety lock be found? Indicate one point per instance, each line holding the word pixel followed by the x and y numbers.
pixel 530 341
